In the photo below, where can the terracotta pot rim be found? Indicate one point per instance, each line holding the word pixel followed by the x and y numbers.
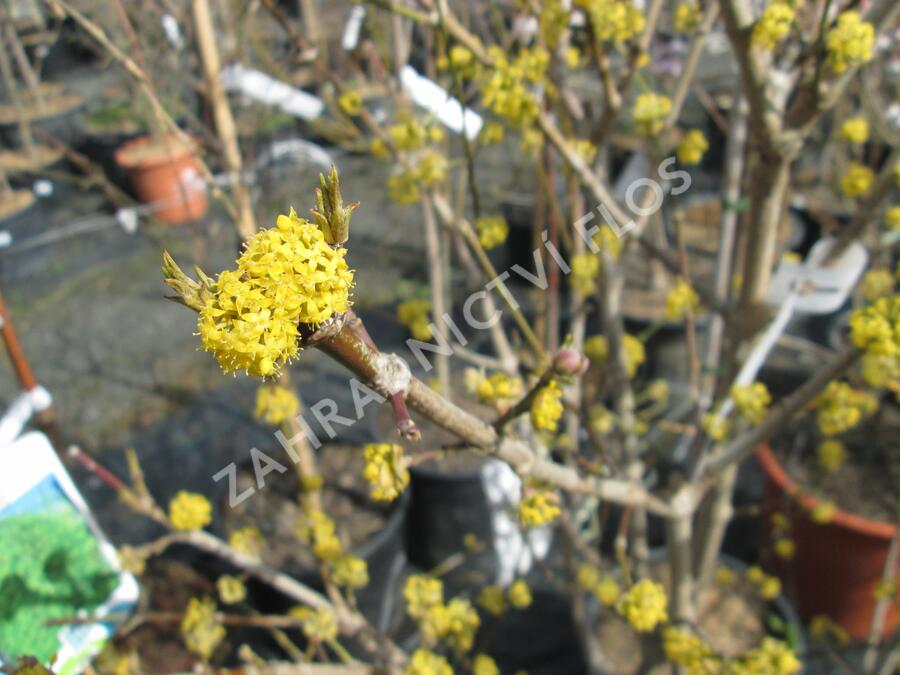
pixel 775 471
pixel 177 150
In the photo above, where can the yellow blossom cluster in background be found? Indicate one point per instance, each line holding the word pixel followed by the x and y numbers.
pixel 538 508
pixel 350 102
pixel 316 529
pixel 287 274
pixel 876 328
pixel 319 625
pixel 752 401
pixel 350 572
pixel 585 268
pixel 855 130
pixel 492 231
pixel 200 628
pixel 499 388
pixel 231 589
pixel 275 404
pixel 454 623
pixel 767 586
pixel 644 605
pixel 414 314
pixel 831 455
pixel 850 43
pixel 507 90
pixel 841 407
pixel 547 407
pixel 247 540
pixel 681 300
pixel 877 283
pixel 692 147
pixel 426 662
pixel 650 111
pixel 857 180
pixel 614 20
pixel 386 470
pixel 688 16
pixel 716 426
pixel 189 511
pixel 596 348
pixel 604 587
pixel 774 25
pixel 881 372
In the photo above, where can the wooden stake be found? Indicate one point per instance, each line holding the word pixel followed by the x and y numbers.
pixel 28 74
pixel 9 82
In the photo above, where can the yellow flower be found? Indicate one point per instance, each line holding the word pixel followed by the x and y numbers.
pixel 231 589
pixel 585 268
pixel 692 147
pixel 350 572
pixel 319 625
pixel 772 657
pixel 414 315
pixel 774 24
pixel 785 548
pixel 492 600
pixel 877 328
pixel 189 511
pixel 850 42
pixel 538 508
pixel 880 371
pixel 247 540
pixel 607 591
pixel 484 665
pixel 316 529
pixel 275 404
pixel 403 188
pixel 432 168
pixel 491 133
pixel 857 180
pixel 386 470
pixel 379 148
pixel 201 630
pixel 609 242
pixel 499 388
pixel 573 57
pixel 644 605
pixel 823 512
pixel 650 110
pixel 350 102
pixel 715 426
pixel 724 575
pixel 425 662
pixel 507 90
pixel 587 576
pixel 877 283
pixel 821 627
pixel 584 148
pixel 547 408
pixel 892 218
pixel 462 61
pixel 884 589
pixel 492 231
pixel 421 593
pixel 596 348
pixel 686 649
pixel 752 401
pixel 408 134
pixel 831 455
pixel 681 300
pixel 840 407
pixel 688 16
pixel 287 275
pixel 770 588
pixel 519 594
pixel 455 623
pixel 755 574
pixel 855 130
pixel 614 20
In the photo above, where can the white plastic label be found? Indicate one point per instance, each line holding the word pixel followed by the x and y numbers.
pixel 266 89
pixel 434 98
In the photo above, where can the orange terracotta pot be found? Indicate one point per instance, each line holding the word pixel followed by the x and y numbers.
pixel 165 174
pixel 836 566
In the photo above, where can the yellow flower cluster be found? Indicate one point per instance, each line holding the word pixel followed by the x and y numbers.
pixel 644 605
pixel 403 188
pixel 506 92
pixel 772 657
pixel 484 665
pixel 386 470
pixel 876 328
pixel 692 147
pixel 609 242
pixel 492 231
pixel 596 348
pixel 247 540
pixel 877 283
pixel 350 102
pixel 426 662
pixel 584 148
pixel 881 372
pixel 604 588
pixel 841 407
pixel 432 167
pixel 784 548
pixel 751 400
pixel 317 530
pixel 421 593
pixel 601 419
pixel 492 600
pixel 287 274
pixel 455 623
pixel 201 630
pixel 409 134
pixel 769 587
pixel 822 627
pixel 774 25
pixel 547 407
pixel 892 217
pixel 855 130
pixel 857 180
pixel 461 61
pixel 275 404
pixel 831 455
pixel 350 571
pixel 685 649
pixel 681 300
pixel 850 42
pixel 554 19
pixel 650 111
pixel 823 512
pixel 715 426
pixel 538 508
pixel 414 315
pixel 585 268
pixel 319 625
pixel 491 133
pixel 519 594
pixel 499 388
pixel 231 589
pixel 614 20
pixel 189 511
pixel 688 16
